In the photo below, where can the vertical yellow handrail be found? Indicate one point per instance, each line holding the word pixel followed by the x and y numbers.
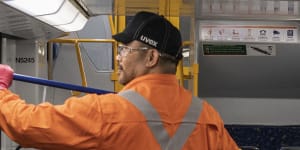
pixel 193 70
pixel 168 9
pixel 81 68
pixel 80 63
pixel 117 24
pixel 195 79
pixel 114 76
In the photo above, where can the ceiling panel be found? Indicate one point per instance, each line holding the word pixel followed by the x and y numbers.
pixel 248 9
pixel 98 7
pixel 15 23
pixel 168 7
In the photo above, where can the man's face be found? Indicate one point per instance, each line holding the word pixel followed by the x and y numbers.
pixel 131 62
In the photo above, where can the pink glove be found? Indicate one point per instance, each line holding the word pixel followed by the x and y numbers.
pixel 6 76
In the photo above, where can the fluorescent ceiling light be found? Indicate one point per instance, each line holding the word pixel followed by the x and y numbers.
pixel 65 15
pixel 61 14
pixel 36 7
pixel 77 24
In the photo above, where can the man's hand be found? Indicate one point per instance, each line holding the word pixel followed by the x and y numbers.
pixel 6 76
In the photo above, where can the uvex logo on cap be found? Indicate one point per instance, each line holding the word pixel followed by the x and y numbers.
pixel 148 41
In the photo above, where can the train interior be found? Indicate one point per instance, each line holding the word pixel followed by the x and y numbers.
pixel 239 55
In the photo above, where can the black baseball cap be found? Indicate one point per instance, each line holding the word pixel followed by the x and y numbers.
pixel 155 31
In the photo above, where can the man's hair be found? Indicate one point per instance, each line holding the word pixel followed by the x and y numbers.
pixel 169 65
pixel 167 62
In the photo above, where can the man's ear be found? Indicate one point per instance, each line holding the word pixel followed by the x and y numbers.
pixel 152 57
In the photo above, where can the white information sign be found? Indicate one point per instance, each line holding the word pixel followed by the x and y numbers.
pixel 249 33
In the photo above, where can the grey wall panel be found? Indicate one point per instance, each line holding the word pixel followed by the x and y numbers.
pixel 99 54
pixel 257 111
pixel 252 76
pixel 96 57
pixel 254 89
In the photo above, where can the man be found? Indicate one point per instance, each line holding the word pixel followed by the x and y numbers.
pixel 151 112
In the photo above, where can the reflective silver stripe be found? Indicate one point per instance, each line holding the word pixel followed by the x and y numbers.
pixel 152 117
pixel 156 126
pixel 187 126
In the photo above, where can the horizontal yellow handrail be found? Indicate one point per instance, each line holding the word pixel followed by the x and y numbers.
pixel 83 40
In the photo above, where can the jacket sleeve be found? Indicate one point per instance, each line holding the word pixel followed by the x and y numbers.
pixel 218 136
pixel 226 140
pixel 76 123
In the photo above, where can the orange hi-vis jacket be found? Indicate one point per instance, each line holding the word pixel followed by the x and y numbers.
pixel 110 121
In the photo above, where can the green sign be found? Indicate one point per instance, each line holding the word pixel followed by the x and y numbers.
pixel 218 49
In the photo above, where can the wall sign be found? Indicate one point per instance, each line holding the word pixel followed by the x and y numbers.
pixel 25 60
pixel 241 50
pixel 220 49
pixel 249 33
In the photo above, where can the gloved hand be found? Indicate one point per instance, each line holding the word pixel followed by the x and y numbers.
pixel 6 76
